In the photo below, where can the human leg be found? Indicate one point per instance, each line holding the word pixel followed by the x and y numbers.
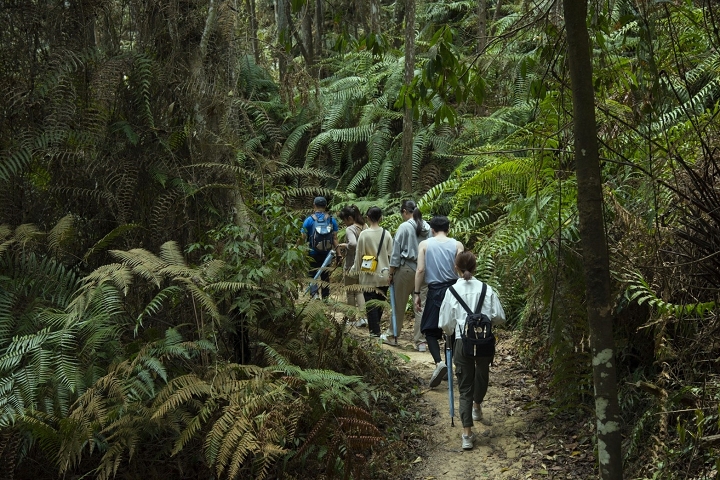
pixel 374 313
pixel 432 337
pixel 417 335
pixel 465 373
pixel 315 263
pixel 403 286
pixel 482 378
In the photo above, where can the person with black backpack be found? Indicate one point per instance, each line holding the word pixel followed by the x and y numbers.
pixel 320 231
pixel 468 313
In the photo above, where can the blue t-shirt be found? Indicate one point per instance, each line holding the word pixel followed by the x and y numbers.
pixel 309 226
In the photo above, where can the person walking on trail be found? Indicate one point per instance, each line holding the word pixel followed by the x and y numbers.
pixel 473 373
pixel 372 261
pixel 436 267
pixel 403 264
pixel 320 231
pixel 354 224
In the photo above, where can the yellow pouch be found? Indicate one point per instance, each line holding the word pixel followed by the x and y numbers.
pixel 369 264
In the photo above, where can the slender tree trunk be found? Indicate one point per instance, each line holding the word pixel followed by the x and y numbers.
pixel 319 31
pixel 482 25
pixel 496 16
pixel 307 35
pixel 406 168
pixel 398 16
pixel 283 35
pixel 253 30
pixel 375 17
pixel 593 239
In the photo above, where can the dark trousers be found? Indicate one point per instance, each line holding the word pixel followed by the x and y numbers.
pixel 315 263
pixel 473 376
pixel 374 314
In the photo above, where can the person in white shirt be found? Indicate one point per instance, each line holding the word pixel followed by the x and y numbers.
pixel 472 373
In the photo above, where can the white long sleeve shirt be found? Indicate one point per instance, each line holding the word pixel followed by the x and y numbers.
pixel 453 315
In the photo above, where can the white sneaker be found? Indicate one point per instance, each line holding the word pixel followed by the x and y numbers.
pixel 468 441
pixel 438 374
pixel 422 347
pixel 477 413
pixel 389 339
pixel 360 323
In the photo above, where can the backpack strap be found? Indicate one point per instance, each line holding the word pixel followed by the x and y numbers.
pixel 460 300
pixel 481 300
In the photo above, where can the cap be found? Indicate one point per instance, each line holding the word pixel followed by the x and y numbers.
pixel 320 202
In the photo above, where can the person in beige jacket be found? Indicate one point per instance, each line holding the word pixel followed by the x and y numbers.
pixel 375 241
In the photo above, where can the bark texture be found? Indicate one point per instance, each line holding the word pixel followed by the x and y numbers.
pixel 593 239
pixel 406 169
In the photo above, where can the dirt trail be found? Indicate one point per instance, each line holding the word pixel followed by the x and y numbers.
pixel 522 442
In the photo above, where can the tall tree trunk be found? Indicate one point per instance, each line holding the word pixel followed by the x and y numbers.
pixel 253 30
pixel 307 35
pixel 406 168
pixel 398 16
pixel 482 25
pixel 319 31
pixel 496 16
pixel 283 35
pixel 593 239
pixel 375 17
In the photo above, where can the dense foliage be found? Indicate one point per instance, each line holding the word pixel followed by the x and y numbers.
pixel 156 158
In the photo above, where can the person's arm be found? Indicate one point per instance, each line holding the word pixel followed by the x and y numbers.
pixel 335 232
pixel 419 274
pixel 459 248
pixel 304 230
pixel 400 241
pixel 497 314
pixel 359 252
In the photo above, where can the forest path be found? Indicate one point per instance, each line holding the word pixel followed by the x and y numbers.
pixel 523 440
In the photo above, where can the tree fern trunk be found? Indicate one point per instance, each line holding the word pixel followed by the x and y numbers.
pixel 406 169
pixel 594 245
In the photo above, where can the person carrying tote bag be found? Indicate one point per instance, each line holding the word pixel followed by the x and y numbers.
pixel 375 244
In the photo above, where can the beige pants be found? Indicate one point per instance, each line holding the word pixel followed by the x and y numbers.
pixel 354 298
pixel 404 285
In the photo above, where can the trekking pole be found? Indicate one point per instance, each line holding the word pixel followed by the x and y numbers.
pixel 326 262
pixel 393 317
pixel 451 393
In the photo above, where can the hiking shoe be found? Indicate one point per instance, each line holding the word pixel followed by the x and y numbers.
pixel 422 347
pixel 477 413
pixel 389 339
pixel 468 441
pixel 438 374
pixel 360 323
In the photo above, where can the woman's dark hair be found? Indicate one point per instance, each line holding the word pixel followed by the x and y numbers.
pixel 374 214
pixel 354 212
pixel 466 263
pixel 440 223
pixel 410 207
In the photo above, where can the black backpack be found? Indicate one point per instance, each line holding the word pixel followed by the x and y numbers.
pixel 321 238
pixel 477 337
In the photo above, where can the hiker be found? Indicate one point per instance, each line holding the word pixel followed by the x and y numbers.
pixel 320 231
pixel 403 263
pixel 372 261
pixel 354 224
pixel 472 373
pixel 436 267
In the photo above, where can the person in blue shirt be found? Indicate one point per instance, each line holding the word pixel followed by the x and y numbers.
pixel 319 248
